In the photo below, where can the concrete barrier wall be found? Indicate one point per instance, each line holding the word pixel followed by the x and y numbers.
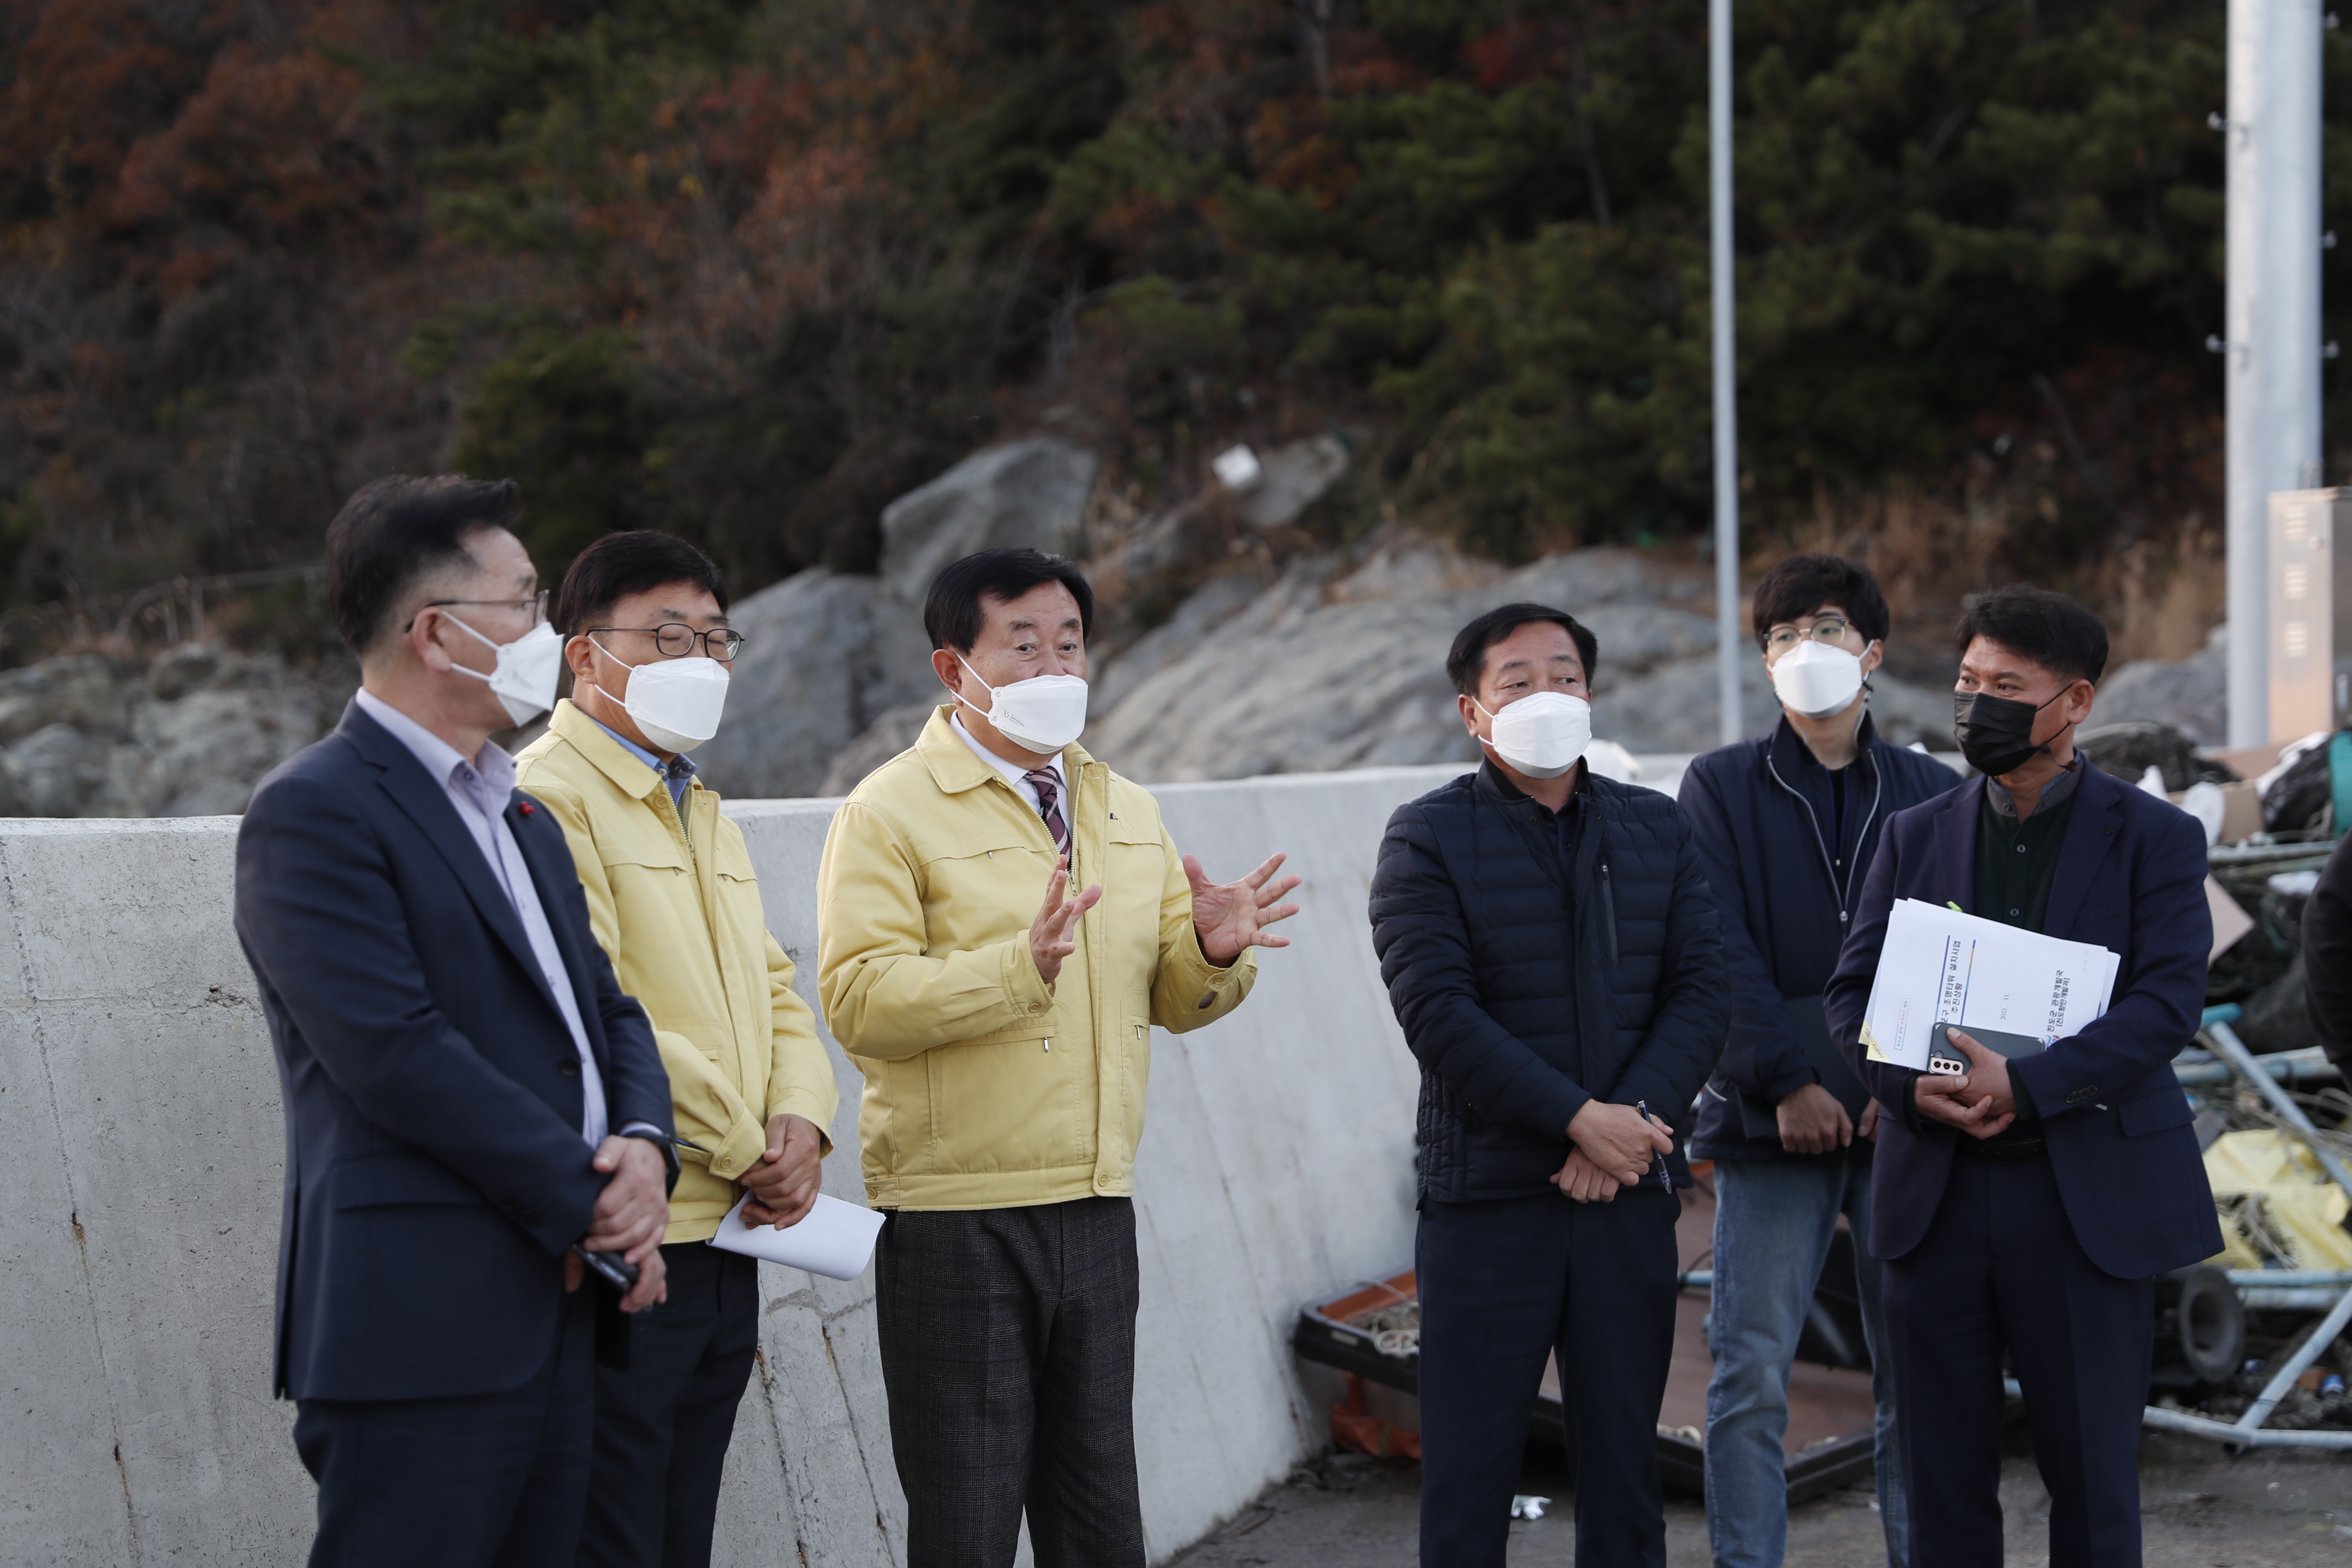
pixel 141 1137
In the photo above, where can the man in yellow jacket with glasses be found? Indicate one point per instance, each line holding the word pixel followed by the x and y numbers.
pixel 1003 1025
pixel 672 900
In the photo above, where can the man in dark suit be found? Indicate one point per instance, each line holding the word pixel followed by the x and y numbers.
pixel 471 1102
pixel 2025 1206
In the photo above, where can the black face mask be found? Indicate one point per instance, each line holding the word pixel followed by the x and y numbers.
pixel 1996 733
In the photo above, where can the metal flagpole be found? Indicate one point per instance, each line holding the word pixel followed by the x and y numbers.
pixel 2272 353
pixel 1729 651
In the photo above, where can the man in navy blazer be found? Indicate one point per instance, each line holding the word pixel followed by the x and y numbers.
pixel 469 1097
pixel 2026 1205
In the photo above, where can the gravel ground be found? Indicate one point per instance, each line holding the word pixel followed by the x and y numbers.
pixel 2200 1509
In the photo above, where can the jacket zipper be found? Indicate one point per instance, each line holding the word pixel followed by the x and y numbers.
pixel 1608 913
pixel 1844 892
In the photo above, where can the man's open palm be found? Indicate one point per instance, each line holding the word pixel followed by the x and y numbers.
pixel 1232 916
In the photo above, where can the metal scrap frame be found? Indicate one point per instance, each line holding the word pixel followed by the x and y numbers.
pixel 2305 1287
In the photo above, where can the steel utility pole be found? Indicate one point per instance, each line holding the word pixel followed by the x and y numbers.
pixel 2272 350
pixel 1730 650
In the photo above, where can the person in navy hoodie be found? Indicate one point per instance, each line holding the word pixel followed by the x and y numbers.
pixel 2023 1207
pixel 1786 825
pixel 1549 943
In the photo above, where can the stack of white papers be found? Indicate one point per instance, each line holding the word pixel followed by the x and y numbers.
pixel 833 1238
pixel 1940 966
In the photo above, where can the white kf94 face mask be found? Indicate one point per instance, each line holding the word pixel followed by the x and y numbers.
pixel 1816 680
pixel 1543 734
pixel 674 703
pixel 524 676
pixel 1044 713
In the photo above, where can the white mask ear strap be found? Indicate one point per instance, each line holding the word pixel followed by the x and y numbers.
pixel 467 629
pixel 983 686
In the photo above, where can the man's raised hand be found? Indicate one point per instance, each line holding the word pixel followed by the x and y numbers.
pixel 1619 1139
pixel 1230 918
pixel 1054 935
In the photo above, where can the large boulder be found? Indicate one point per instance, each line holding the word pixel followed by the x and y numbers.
pixel 1292 478
pixel 2189 694
pixel 1319 670
pixel 882 740
pixel 1675 707
pixel 824 653
pixel 1031 492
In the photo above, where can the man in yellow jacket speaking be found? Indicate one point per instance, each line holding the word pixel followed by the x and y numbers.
pixel 672 899
pixel 1003 1025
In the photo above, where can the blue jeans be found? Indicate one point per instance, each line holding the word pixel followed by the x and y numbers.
pixel 1773 1220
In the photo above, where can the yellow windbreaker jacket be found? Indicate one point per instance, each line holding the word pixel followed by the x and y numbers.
pixel 986 1088
pixel 679 910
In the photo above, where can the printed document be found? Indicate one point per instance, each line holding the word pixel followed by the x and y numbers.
pixel 833 1238
pixel 1940 966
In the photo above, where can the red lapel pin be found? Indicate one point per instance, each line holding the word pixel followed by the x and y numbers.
pixel 525 807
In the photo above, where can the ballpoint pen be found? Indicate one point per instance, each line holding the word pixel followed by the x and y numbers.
pixel 1657 1161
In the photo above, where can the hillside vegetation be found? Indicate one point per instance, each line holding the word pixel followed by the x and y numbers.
pixel 748 269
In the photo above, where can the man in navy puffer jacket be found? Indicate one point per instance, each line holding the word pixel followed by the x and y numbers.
pixel 1549 945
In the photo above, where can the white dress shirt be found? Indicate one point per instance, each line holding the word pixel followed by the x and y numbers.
pixel 1014 771
pixel 480 789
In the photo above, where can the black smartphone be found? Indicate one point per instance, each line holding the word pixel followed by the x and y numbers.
pixel 617 1271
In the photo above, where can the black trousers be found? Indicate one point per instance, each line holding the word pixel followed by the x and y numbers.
pixel 487 1480
pixel 1999 1270
pixel 663 1424
pixel 1008 1350
pixel 1502 1285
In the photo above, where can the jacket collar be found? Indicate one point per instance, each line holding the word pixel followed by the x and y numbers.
pixel 954 768
pixel 629 775
pixel 1493 781
pixel 423 800
pixel 1791 756
pixel 2090 834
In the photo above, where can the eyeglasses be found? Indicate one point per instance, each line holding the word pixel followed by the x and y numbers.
pixel 676 641
pixel 1829 628
pixel 536 603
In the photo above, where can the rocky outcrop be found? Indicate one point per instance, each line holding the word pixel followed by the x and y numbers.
pixel 1328 668
pixel 824 654
pixel 1030 492
pixel 189 736
pixel 827 655
pixel 1291 478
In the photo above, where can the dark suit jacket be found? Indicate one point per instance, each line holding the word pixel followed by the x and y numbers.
pixel 435 1170
pixel 2131 874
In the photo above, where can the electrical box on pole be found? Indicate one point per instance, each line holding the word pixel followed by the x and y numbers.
pixel 2309 618
pixel 2271 351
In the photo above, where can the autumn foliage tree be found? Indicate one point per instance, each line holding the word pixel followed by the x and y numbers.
pixel 747 269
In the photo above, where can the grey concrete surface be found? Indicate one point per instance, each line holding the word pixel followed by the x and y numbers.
pixel 2199 1508
pixel 141 1144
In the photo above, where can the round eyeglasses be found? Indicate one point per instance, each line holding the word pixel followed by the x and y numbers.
pixel 1829 628
pixel 676 639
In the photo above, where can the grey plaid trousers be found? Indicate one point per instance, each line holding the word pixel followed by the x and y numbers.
pixel 1008 1350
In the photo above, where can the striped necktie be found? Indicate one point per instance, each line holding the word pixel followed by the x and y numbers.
pixel 1049 805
